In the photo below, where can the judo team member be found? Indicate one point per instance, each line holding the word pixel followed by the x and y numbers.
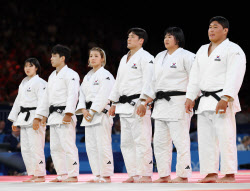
pixel 217 72
pixel 59 104
pixel 30 93
pixel 168 90
pixel 135 71
pixel 94 105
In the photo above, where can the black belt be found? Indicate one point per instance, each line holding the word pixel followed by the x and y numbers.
pixel 26 109
pixel 58 109
pixel 206 94
pixel 166 95
pixel 128 99
pixel 88 106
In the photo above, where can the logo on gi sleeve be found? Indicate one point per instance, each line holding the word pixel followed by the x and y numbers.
pixel 29 89
pixel 217 58
pixel 173 65
pixel 134 66
pixel 96 82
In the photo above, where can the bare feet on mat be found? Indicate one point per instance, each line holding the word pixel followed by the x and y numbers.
pixel 60 178
pixel 71 179
pixel 56 180
pixel 162 179
pixel 210 178
pixel 94 179
pixel 39 179
pixel 31 179
pixel 144 179
pixel 131 179
pixel 179 180
pixel 228 178
pixel 106 179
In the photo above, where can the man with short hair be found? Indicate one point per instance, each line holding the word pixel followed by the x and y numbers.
pixel 134 73
pixel 59 104
pixel 217 72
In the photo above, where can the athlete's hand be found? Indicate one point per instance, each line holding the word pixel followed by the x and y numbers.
pixel 112 110
pixel 36 123
pixel 141 110
pixel 221 107
pixel 43 122
pixel 67 118
pixel 87 115
pixel 148 100
pixel 189 104
pixel 14 128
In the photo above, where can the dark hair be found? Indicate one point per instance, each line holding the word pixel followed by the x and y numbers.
pixel 178 35
pixel 62 51
pixel 222 20
pixel 141 33
pixel 35 62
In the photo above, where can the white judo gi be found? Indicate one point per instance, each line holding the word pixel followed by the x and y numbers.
pixel 223 69
pixel 30 94
pixel 95 88
pixel 63 90
pixel 171 73
pixel 136 131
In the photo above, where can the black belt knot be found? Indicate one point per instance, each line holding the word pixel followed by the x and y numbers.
pixel 206 94
pixel 128 99
pixel 26 109
pixel 166 95
pixel 58 109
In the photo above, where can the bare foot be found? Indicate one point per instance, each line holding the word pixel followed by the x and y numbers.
pixel 105 180
pixel 39 179
pixel 94 179
pixel 162 180
pixel 60 178
pixel 210 178
pixel 56 180
pixel 179 180
pixel 31 179
pixel 144 179
pixel 71 179
pixel 228 178
pixel 131 179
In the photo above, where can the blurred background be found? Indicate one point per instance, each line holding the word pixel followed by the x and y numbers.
pixel 31 28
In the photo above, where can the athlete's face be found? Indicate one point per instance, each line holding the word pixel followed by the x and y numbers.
pixel 95 59
pixel 170 42
pixel 56 60
pixel 134 41
pixel 216 32
pixel 29 69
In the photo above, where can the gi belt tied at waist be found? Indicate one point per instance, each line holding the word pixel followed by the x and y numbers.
pixel 26 109
pixel 128 99
pixel 58 109
pixel 206 94
pixel 88 106
pixel 166 95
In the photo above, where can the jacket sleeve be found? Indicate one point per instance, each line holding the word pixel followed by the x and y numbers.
pixel 101 99
pixel 193 84
pixel 40 91
pixel 149 89
pixel 188 62
pixel 81 103
pixel 43 103
pixel 114 95
pixel 236 68
pixel 73 83
pixel 147 72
